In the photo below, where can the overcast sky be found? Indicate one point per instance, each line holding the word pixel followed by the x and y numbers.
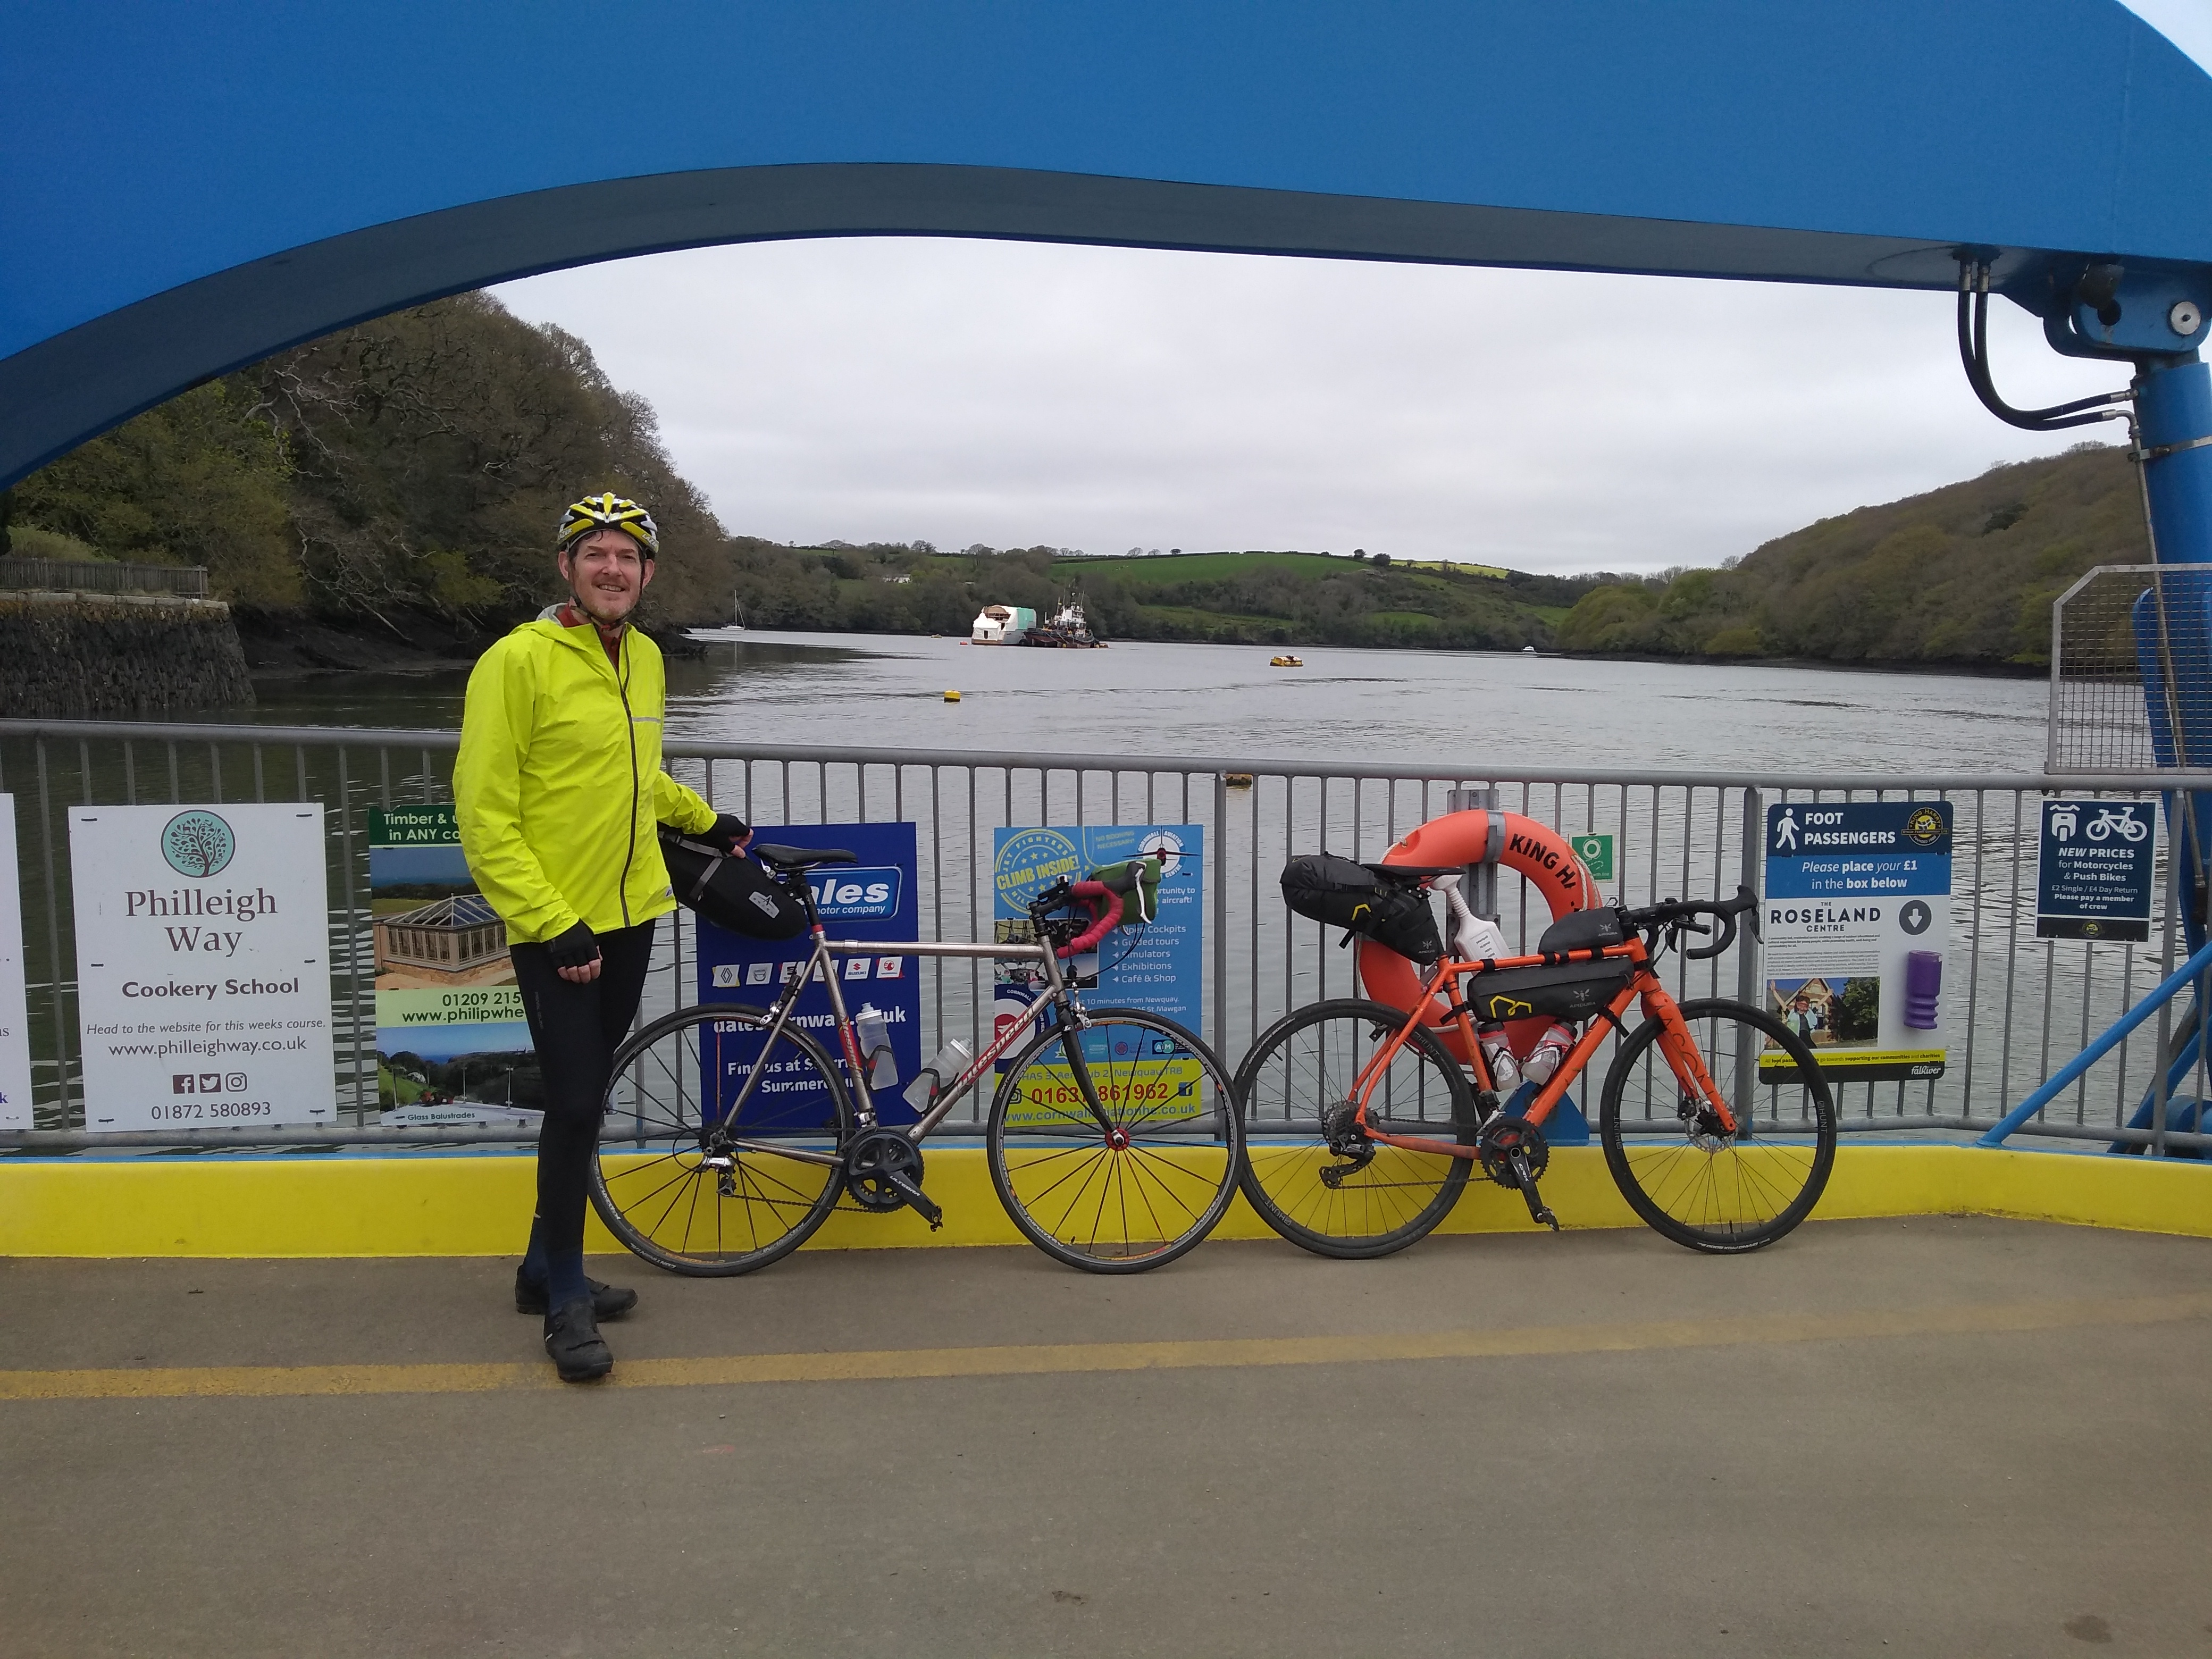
pixel 1104 398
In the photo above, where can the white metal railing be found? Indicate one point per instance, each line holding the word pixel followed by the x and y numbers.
pixel 2034 1004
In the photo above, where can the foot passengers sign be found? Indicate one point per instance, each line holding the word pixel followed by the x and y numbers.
pixel 1858 915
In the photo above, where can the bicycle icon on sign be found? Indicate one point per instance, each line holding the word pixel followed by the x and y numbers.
pixel 2120 819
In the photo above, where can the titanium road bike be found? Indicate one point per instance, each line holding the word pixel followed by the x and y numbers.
pixel 1717 1123
pixel 1114 1137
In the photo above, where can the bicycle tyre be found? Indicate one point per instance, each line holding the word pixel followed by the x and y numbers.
pixel 1709 1193
pixel 649 1179
pixel 1309 1059
pixel 1107 1207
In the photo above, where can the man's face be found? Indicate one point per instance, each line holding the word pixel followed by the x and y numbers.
pixel 606 572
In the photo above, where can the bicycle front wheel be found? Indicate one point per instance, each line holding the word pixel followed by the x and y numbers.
pixel 1679 1170
pixel 1305 1068
pixel 668 1181
pixel 1136 1182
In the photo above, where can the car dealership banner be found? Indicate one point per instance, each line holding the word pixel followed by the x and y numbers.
pixel 203 975
pixel 878 897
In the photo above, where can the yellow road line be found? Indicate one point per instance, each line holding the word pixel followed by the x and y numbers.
pixel 239 1381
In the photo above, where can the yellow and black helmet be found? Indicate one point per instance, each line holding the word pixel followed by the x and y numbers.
pixel 608 511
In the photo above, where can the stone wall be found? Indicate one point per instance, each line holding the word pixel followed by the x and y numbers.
pixel 117 654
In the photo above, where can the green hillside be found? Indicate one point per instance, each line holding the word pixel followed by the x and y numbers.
pixel 1259 597
pixel 393 488
pixel 1963 575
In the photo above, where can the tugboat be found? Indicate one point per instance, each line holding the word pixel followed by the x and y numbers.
pixel 1066 628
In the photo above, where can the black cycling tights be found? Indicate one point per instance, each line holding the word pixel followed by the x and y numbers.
pixel 577 1029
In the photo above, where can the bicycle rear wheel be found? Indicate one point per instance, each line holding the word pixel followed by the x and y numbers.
pixel 1306 1065
pixel 666 1181
pixel 1139 1189
pixel 1693 1184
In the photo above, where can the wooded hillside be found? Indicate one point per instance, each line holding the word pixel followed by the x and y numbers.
pixel 410 470
pixel 400 482
pixel 1964 574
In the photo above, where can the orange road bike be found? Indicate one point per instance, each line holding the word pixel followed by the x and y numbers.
pixel 1361 1127
pixel 731 1132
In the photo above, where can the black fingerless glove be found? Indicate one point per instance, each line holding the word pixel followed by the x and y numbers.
pixel 729 829
pixel 577 948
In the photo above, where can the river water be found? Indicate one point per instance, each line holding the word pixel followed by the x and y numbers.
pixel 1462 711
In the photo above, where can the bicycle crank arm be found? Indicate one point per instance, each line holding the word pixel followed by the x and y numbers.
pixel 916 1199
pixel 1526 1180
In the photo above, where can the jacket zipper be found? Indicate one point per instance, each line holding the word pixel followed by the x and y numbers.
pixel 629 725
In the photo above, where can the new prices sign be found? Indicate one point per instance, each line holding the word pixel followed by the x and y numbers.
pixel 874 898
pixel 203 945
pixel 1858 915
pixel 2093 877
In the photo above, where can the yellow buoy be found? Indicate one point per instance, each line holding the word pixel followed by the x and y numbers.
pixel 952 697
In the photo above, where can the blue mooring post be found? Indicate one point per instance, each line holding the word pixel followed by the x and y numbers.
pixel 2173 410
pixel 2154 319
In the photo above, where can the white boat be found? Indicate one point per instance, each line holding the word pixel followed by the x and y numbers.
pixel 1002 624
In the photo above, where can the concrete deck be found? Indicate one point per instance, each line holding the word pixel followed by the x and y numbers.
pixel 1918 1435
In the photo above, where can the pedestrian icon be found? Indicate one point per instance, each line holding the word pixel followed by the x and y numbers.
pixel 1785 831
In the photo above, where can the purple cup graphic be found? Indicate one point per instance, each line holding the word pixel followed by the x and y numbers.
pixel 1923 988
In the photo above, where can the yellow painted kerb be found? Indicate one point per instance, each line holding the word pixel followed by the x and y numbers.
pixel 334 1206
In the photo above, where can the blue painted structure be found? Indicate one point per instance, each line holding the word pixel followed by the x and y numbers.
pixel 188 189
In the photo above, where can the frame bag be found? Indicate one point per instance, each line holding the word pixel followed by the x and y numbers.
pixel 730 890
pixel 1572 990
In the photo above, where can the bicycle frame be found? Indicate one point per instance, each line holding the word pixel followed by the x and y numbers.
pixel 1675 1041
pixel 1060 995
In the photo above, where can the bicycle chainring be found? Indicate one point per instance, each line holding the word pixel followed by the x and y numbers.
pixel 874 1155
pixel 1500 1138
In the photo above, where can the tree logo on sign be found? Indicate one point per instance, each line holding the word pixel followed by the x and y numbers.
pixel 197 844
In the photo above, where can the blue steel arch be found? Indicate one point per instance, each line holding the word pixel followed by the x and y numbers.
pixel 190 188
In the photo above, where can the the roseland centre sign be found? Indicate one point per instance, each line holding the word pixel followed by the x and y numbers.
pixel 202 965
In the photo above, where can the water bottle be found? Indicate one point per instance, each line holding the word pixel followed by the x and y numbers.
pixel 1474 939
pixel 946 1063
pixel 874 1035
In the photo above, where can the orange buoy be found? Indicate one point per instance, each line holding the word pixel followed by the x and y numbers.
pixel 1507 839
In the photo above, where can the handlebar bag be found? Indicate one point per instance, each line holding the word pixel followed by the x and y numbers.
pixel 730 890
pixel 1581 930
pixel 1342 894
pixel 1571 991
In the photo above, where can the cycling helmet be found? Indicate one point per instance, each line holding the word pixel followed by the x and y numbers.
pixel 608 511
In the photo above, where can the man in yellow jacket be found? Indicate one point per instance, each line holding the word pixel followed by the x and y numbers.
pixel 560 794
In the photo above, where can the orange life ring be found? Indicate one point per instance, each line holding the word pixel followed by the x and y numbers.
pixel 1520 844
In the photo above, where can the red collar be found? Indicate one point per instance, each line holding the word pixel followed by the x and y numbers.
pixel 569 616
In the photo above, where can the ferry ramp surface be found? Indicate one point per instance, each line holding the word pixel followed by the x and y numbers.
pixel 1921 1435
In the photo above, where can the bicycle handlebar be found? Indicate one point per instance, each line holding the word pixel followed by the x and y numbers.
pixel 1678 916
pixel 1105 916
pixel 1102 902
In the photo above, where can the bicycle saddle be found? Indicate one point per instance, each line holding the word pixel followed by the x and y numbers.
pixel 801 858
pixel 1411 873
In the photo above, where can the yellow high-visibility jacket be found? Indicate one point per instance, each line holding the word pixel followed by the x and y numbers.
pixel 558 787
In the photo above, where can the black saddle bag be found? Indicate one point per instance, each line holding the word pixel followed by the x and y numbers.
pixel 730 890
pixel 1347 895
pixel 1572 990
